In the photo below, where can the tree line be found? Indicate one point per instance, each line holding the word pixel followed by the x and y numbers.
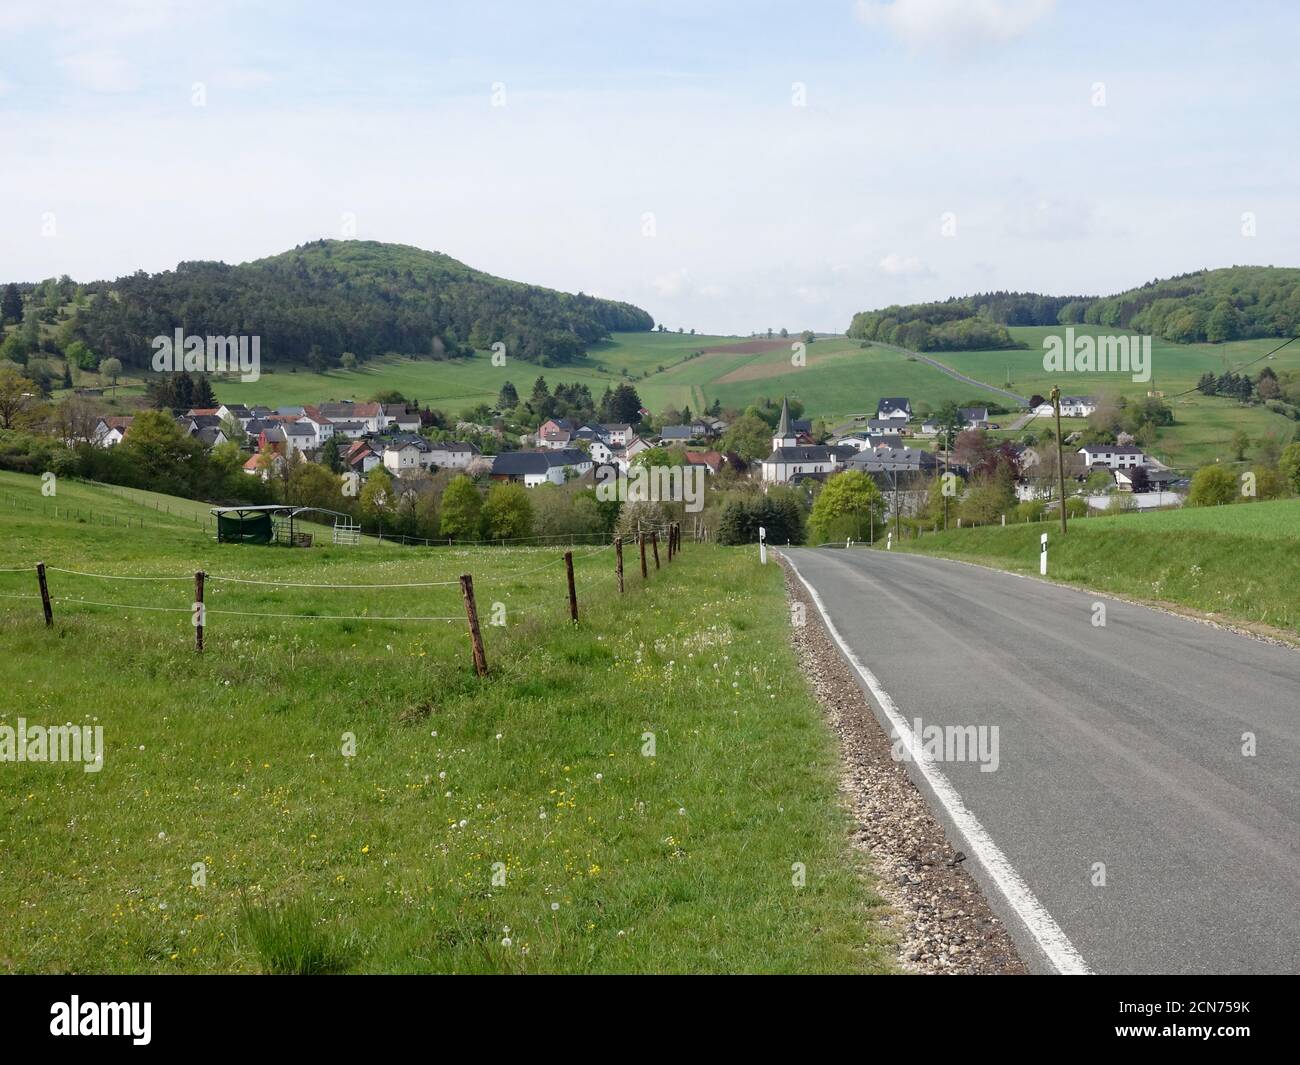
pixel 330 299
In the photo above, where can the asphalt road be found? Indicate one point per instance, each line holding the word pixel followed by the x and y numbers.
pixel 956 375
pixel 1119 744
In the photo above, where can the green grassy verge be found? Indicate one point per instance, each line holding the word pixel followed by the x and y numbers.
pixel 1239 562
pixel 384 861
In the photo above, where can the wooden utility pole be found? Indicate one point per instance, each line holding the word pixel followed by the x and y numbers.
pixel 618 561
pixel 573 592
pixel 898 514
pixel 471 615
pixel 1060 454
pixel 943 488
pixel 199 617
pixel 45 594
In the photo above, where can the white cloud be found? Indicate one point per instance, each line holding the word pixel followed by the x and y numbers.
pixel 670 284
pixel 100 70
pixel 954 25
pixel 903 265
pixel 1050 218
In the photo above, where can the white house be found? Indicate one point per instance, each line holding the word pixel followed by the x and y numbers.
pixel 790 459
pixel 395 414
pixel 532 468
pixel 110 430
pixel 1112 456
pixel 322 428
pixel 299 436
pixel 452 454
pixel 975 417
pixel 407 454
pixel 1071 407
pixel 348 429
pixel 896 409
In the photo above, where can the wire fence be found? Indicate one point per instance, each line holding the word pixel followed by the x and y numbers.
pixel 200 611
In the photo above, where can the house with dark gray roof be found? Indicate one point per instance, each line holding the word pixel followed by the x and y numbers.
pixel 895 409
pixel 533 468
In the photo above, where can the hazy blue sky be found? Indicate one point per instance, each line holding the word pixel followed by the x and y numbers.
pixel 654 150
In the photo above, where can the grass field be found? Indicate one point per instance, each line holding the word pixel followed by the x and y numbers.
pixel 383 860
pixel 1238 562
pixel 840 377
pixel 1205 424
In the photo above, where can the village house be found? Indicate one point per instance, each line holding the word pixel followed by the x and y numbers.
pixel 1112 456
pixel 110 430
pixel 234 412
pixel 271 467
pixel 533 468
pixel 407 454
pixel 361 457
pixel 300 435
pixel 556 433
pixel 677 434
pixel 1148 480
pixel 623 456
pixel 710 460
pixel 897 410
pixel 452 454
pixel 348 429
pixel 617 434
pixel 886 426
pixel 321 426
pixel 895 460
pixel 975 417
pixel 1071 407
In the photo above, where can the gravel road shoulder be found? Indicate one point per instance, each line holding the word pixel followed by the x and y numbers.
pixel 940 917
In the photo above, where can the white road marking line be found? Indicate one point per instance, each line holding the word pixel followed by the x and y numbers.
pixel 1051 940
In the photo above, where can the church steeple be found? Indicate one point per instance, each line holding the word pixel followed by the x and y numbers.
pixel 785 436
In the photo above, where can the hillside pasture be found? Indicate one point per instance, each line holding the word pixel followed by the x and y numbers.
pixel 328 789
pixel 1237 562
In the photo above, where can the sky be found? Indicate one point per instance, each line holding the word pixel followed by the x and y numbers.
pixel 728 166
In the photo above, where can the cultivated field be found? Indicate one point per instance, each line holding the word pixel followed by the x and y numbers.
pixel 228 830
pixel 840 377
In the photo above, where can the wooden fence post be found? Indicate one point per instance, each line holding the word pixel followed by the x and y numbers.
pixel 670 543
pixel 618 561
pixel 45 594
pixel 471 614
pixel 640 540
pixel 199 618
pixel 573 592
pixel 654 542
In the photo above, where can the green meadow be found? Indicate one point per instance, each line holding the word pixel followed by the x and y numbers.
pixel 1238 562
pixel 328 789
pixel 839 378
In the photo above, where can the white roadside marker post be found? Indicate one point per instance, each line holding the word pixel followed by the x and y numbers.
pixel 889 540
pixel 1042 557
pixel 762 545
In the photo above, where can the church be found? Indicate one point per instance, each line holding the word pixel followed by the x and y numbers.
pixel 791 461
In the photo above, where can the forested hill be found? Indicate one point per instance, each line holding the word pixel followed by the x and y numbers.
pixel 330 297
pixel 1232 303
